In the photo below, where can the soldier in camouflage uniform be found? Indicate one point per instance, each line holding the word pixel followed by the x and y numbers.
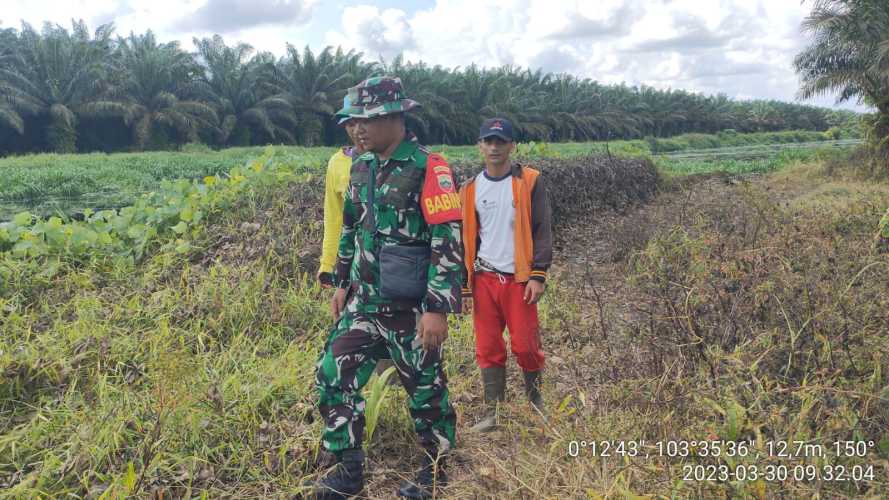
pixel 401 216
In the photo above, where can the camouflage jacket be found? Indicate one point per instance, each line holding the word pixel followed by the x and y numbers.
pixel 397 219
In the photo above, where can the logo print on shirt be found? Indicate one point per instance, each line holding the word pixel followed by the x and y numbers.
pixel 444 182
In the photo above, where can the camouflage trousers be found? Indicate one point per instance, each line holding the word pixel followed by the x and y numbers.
pixel 357 340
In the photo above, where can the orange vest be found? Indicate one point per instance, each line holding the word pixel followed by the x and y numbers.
pixel 522 185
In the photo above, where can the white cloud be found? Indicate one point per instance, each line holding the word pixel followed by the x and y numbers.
pixel 135 15
pixel 737 47
pixel 265 24
pixel 234 16
pixel 378 33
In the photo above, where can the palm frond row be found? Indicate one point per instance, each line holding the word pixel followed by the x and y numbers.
pixel 72 90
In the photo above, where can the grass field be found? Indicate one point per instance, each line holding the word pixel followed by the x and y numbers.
pixel 50 184
pixel 189 373
pixel 748 160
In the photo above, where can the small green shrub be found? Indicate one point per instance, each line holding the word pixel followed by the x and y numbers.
pixel 195 147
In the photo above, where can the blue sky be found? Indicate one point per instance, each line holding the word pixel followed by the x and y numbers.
pixel 742 48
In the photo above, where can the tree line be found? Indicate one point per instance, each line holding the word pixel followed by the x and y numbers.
pixel 72 90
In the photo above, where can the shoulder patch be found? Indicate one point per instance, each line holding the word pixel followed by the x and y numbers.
pixel 440 201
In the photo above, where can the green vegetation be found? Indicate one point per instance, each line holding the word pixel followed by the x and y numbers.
pixel 70 91
pixel 234 79
pixel 166 350
pixel 68 184
pixel 745 161
pixel 189 372
pixel 55 75
pixel 848 56
pixel 149 93
pixel 731 138
pixel 177 209
pixel 175 389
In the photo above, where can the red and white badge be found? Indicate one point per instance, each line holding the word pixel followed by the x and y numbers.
pixel 440 200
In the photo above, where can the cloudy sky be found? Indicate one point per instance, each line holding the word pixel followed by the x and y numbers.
pixel 743 48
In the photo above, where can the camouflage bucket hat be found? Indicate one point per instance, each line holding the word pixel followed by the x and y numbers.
pixel 345 114
pixel 379 96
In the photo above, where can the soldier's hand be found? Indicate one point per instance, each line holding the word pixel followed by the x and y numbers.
pixel 338 303
pixel 467 305
pixel 533 291
pixel 433 329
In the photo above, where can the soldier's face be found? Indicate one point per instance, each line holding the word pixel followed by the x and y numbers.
pixel 378 133
pixel 495 150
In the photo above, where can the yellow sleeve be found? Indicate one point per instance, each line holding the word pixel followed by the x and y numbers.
pixel 335 183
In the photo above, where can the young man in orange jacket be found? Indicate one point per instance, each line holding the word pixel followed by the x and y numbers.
pixel 507 239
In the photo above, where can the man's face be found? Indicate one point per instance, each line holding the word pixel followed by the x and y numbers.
pixel 351 127
pixel 378 133
pixel 495 150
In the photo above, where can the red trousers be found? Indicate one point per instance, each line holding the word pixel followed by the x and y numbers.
pixel 498 302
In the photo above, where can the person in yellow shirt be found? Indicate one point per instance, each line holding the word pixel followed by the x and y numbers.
pixel 335 184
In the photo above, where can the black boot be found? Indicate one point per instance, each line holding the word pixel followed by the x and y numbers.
pixel 344 481
pixel 532 389
pixel 432 476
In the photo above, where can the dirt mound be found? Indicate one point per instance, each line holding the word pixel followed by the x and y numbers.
pixel 288 221
pixel 292 220
pixel 582 186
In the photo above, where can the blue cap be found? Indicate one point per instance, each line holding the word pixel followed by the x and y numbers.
pixel 499 127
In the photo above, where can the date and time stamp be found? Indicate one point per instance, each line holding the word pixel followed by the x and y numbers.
pixel 745 460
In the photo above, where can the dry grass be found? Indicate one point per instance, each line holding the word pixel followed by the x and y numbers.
pixel 191 376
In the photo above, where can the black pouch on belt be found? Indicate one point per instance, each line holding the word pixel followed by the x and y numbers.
pixel 404 271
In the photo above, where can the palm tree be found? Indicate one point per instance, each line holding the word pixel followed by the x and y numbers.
pixel 8 116
pixel 313 86
pixel 477 91
pixel 443 93
pixel 57 74
pixel 7 40
pixel 235 80
pixel 435 122
pixel 52 80
pixel 161 87
pixel 8 43
pixel 849 54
